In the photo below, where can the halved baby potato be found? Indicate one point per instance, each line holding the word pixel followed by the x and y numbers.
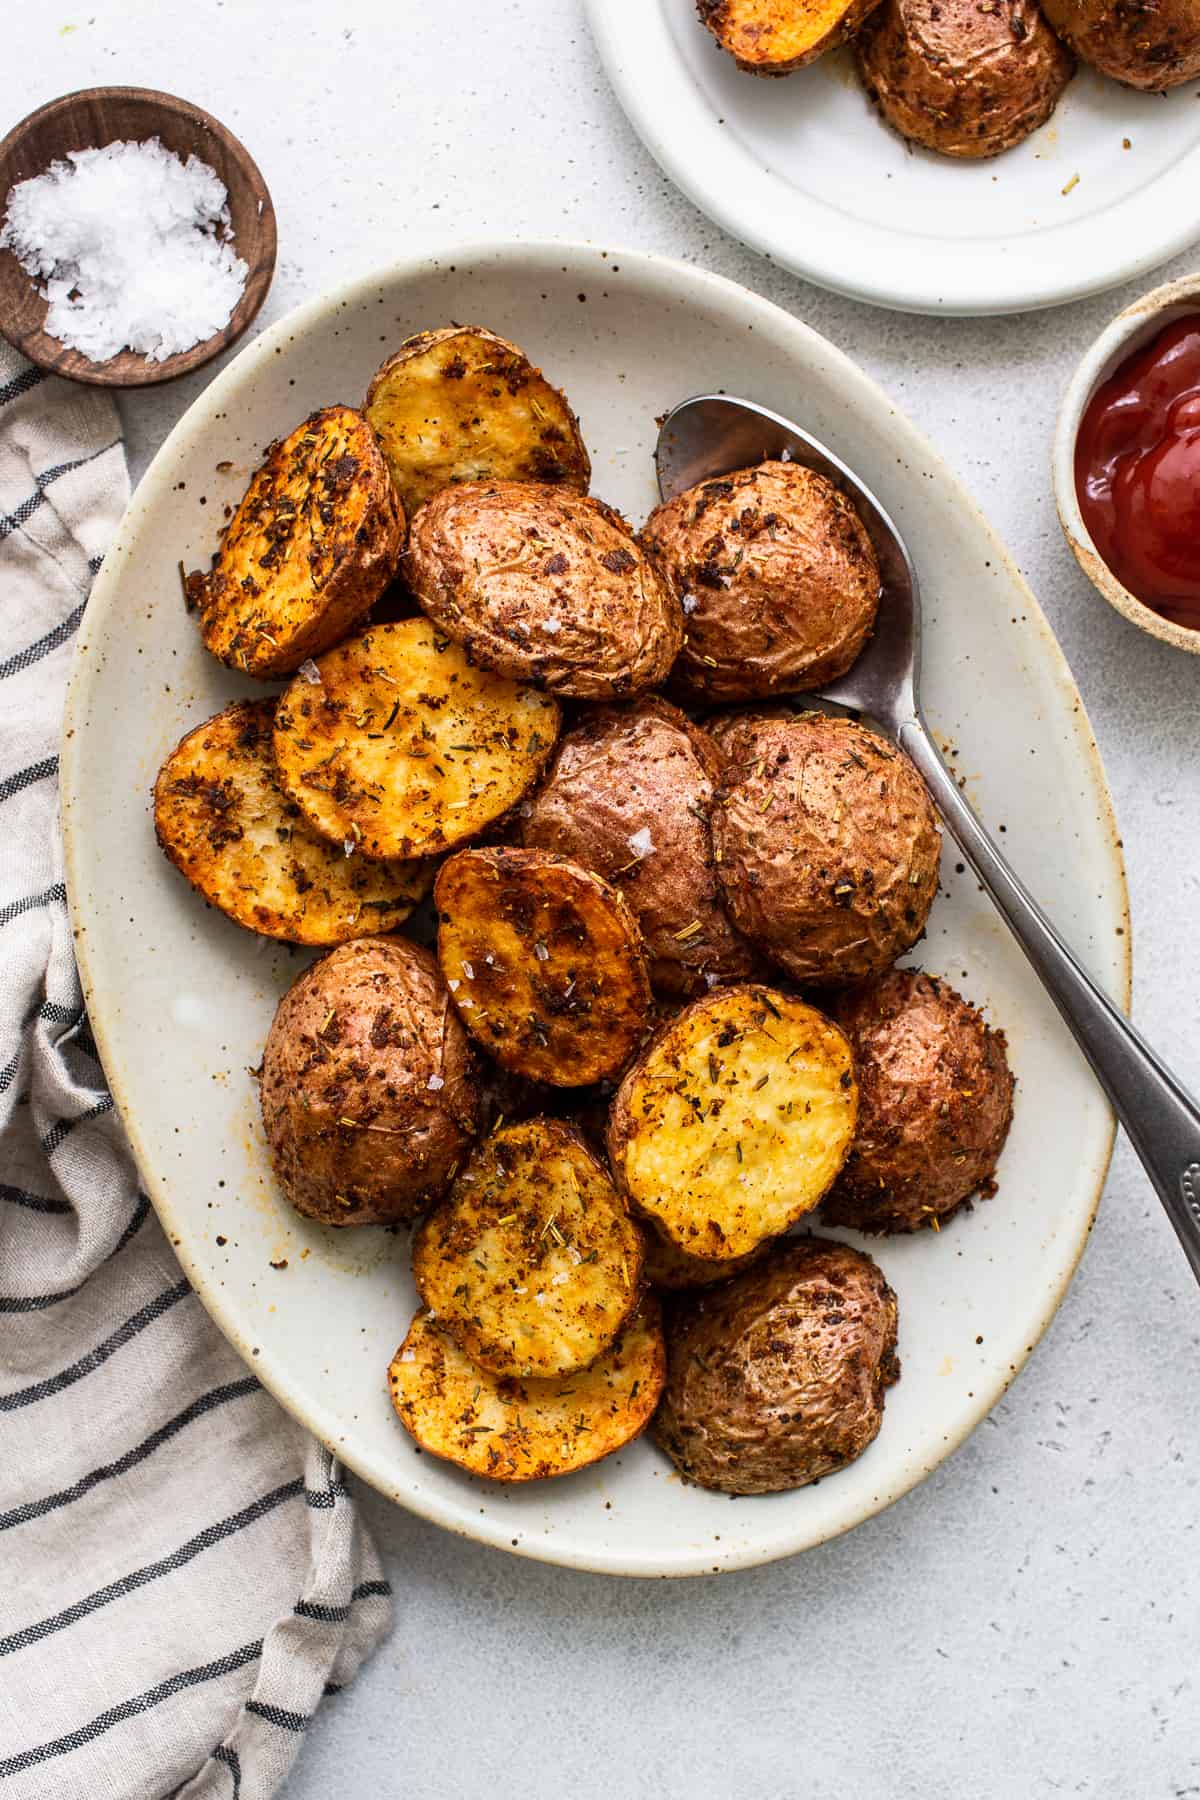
pixel 545 963
pixel 515 1430
pixel 399 747
pixel 531 1262
pixel 734 1120
pixel 774 37
pixel 462 404
pixel 671 1269
pixel 224 822
pixel 312 545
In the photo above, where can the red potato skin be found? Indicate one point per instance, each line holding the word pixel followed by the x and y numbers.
pixel 777 1378
pixel 777 577
pixel 646 767
pixel 1147 44
pixel 827 846
pixel 356 1133
pixel 935 1104
pixel 960 78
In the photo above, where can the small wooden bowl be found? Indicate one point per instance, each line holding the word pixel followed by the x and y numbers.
pixel 88 120
pixel 1140 322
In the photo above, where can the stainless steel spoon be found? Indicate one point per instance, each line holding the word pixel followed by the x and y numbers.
pixel 710 435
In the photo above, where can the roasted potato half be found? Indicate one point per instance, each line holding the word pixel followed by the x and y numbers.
pixel 936 1101
pixel 512 1430
pixel 1148 44
pixel 778 1377
pixel 311 547
pixel 462 404
pixel 960 78
pixel 629 794
pixel 544 585
pixel 826 845
pixel 734 1120
pixel 774 37
pixel 369 1089
pixel 778 580
pixel 395 746
pixel 531 1262
pixel 545 963
pixel 222 819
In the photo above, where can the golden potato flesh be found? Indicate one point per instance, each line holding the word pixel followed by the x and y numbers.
pixel 960 78
pixel 461 404
pixel 734 1121
pixel 778 1377
pixel 670 1269
pixel 774 37
pixel 370 1095
pixel 401 748
pixel 827 846
pixel 936 1100
pixel 311 547
pixel 777 577
pixel 512 1430
pixel 629 794
pixel 545 963
pixel 1147 44
pixel 223 820
pixel 531 1262
pixel 544 585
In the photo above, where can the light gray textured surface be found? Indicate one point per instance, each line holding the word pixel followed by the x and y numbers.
pixel 1028 1622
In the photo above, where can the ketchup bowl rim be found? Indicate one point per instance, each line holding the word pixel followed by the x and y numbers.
pixel 1140 321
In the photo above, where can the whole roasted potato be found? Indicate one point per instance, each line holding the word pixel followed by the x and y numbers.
pixel 629 795
pixel 961 78
pixel 827 847
pixel 936 1104
pixel 777 1378
pixel 546 585
pixel 369 1090
pixel 1151 44
pixel 777 577
pixel 774 37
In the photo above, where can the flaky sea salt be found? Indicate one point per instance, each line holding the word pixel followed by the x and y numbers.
pixel 641 843
pixel 131 248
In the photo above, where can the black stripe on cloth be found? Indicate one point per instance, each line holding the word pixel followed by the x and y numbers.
pixel 206 1403
pixel 8 1074
pixel 27 1303
pixel 139 1578
pixel 277 1715
pixel 129 1709
pixel 55 1014
pixel 335 1615
pixel 64 1127
pixel 56 895
pixel 223 1754
pixel 54 1384
pixel 10 522
pixel 35 1202
pixel 21 384
pixel 322 1499
pixel 43 646
pixel 332 1687
pixel 14 784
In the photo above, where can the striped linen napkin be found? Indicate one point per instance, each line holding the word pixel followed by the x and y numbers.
pixel 183 1573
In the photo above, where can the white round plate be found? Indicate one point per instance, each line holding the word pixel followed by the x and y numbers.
pixel 181 998
pixel 803 169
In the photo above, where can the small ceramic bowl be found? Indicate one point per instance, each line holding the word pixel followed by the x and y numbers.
pixel 1127 333
pixel 87 120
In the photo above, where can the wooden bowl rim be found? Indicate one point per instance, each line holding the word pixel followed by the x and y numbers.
pixel 49 353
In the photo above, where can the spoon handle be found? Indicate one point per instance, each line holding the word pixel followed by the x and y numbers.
pixel 1162 1120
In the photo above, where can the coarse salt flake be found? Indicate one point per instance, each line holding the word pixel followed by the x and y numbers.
pixel 641 843
pixel 434 1083
pixel 552 625
pixel 689 603
pixel 308 671
pixel 468 970
pixel 131 248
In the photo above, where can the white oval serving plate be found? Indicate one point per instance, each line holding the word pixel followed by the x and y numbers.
pixel 181 998
pixel 803 169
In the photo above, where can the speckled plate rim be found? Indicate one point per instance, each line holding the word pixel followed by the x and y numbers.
pixel 155 489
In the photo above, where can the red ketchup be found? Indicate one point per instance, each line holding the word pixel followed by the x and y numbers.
pixel 1137 472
